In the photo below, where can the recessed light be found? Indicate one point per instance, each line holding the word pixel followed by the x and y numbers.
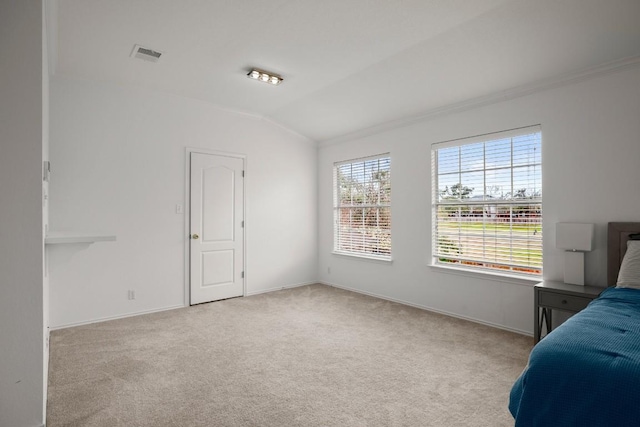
pixel 265 76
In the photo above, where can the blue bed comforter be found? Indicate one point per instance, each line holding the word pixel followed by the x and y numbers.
pixel 587 371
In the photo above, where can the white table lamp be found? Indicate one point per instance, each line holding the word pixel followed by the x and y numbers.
pixel 575 239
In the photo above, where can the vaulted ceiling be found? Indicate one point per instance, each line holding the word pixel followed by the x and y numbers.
pixel 348 65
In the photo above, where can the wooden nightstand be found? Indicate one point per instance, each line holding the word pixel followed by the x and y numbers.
pixel 549 296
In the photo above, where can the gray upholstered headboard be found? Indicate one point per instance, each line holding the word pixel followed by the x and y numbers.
pixel 617 236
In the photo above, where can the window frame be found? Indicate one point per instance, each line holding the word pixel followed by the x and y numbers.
pixel 535 203
pixel 338 249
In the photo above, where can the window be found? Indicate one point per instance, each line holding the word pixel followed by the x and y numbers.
pixel 487 202
pixel 362 207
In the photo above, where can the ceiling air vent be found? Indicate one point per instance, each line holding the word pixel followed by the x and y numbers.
pixel 145 53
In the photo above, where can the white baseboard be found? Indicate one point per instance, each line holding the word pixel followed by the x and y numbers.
pixel 121 316
pixel 427 308
pixel 297 285
pixel 279 288
pixel 139 313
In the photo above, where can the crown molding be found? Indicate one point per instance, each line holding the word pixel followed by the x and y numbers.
pixel 516 92
pixel 290 131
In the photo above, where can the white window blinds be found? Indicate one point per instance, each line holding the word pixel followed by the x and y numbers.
pixel 362 207
pixel 487 202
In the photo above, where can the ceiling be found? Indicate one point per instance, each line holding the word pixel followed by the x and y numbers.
pixel 348 65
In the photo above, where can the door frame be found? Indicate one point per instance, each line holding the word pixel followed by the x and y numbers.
pixel 186 203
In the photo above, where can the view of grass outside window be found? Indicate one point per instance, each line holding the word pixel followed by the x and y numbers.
pixel 362 207
pixel 487 207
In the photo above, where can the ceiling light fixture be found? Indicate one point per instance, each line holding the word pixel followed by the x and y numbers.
pixel 265 76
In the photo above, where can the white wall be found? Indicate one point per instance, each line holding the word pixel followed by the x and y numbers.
pixel 21 214
pixel 46 16
pixel 118 165
pixel 591 150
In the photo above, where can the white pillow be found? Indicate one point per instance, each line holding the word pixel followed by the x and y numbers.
pixel 629 275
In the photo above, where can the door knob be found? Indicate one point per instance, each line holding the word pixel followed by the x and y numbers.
pixel 195 236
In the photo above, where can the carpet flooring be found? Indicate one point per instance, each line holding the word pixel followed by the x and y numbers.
pixel 308 356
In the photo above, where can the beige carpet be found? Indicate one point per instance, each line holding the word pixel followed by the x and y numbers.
pixel 309 356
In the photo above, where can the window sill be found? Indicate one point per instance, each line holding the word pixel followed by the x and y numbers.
pixel 515 279
pixel 363 257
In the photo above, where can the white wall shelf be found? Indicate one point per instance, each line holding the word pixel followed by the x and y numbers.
pixel 62 237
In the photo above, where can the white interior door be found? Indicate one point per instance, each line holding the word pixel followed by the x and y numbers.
pixel 216 222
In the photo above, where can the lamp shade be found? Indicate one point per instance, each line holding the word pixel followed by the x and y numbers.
pixel 574 236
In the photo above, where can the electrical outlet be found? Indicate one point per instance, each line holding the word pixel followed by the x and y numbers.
pixel 329 270
pixel 179 209
pixel 132 294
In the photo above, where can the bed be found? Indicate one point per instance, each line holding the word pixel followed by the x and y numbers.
pixel 587 371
